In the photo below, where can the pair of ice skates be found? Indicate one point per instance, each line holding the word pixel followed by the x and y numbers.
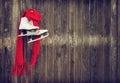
pixel 28 29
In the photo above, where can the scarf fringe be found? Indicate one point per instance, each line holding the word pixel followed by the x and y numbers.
pixel 19 69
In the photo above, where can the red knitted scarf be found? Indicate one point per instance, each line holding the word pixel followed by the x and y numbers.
pixel 20 65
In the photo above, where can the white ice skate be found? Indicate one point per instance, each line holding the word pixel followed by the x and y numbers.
pixel 31 33
pixel 42 37
pixel 26 24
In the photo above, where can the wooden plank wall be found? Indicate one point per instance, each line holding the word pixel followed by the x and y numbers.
pixel 83 45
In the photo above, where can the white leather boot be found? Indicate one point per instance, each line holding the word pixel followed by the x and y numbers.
pixel 26 24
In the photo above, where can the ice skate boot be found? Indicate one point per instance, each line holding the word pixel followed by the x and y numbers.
pixel 27 24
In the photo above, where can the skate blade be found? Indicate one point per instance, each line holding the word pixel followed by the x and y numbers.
pixel 21 35
pixel 39 32
pixel 42 37
pixel 25 35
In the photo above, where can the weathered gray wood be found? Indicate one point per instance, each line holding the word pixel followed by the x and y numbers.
pixel 107 45
pixel 83 45
pixel 113 41
pixel 118 45
pixel 85 48
pixel 100 48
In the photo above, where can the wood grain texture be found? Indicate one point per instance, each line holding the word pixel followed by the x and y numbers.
pixel 83 45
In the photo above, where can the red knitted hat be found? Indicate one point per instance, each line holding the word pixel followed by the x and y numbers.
pixel 33 15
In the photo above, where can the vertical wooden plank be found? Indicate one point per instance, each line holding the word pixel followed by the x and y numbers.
pixel 100 51
pixel 40 58
pixel 68 61
pixel 15 15
pixel 72 39
pixel 107 33
pixel 85 49
pixel 57 26
pixel 13 29
pixel 41 63
pixel 78 44
pixel 1 38
pixel 6 33
pixel 113 41
pixel 49 67
pixel 93 49
pixel 118 67
pixel 50 53
pixel 57 32
pixel 64 44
